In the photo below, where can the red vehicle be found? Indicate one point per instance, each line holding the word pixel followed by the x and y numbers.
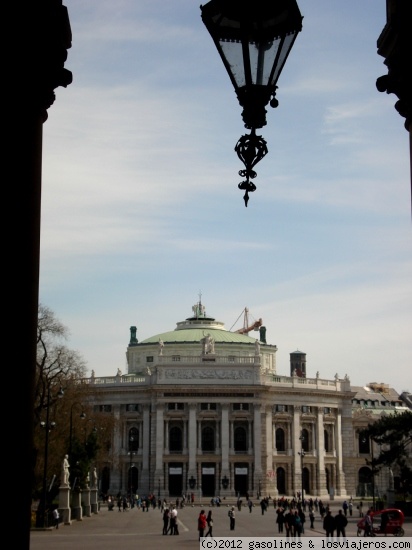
pixel 384 522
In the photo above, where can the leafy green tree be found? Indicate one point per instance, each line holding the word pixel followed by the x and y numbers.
pixel 393 433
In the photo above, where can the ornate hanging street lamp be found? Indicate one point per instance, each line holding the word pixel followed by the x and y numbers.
pixel 253 38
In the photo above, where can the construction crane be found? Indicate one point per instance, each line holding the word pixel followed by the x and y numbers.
pixel 247 325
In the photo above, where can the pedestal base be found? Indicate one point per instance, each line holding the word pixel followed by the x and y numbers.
pixel 64 504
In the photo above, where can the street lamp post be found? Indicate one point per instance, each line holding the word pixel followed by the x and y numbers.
pixel 254 39
pixel 48 426
pixel 82 416
pixel 302 456
pixel 364 440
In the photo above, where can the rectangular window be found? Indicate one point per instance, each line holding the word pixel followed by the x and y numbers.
pixel 326 410
pixel 176 406
pixel 149 359
pixel 132 408
pixel 105 408
pixel 305 409
pixel 240 406
pixel 207 406
pixel 281 408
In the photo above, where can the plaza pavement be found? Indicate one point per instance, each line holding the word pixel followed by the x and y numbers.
pixel 134 529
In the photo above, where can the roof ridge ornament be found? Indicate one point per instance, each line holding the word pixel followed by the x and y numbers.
pixel 199 310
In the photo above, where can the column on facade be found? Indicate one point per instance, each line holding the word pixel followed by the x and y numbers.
pixel 185 446
pixel 146 448
pixel 225 438
pixel 159 444
pixel 320 445
pixel 271 489
pixel 274 450
pixel 296 446
pixel 225 444
pixel 166 447
pixel 340 476
pixel 199 435
pixel 192 443
pixel 250 439
pixel 257 445
pixel 116 478
pixel 269 438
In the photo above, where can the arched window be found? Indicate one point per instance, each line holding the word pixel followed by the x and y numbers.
pixel 175 440
pixel 133 439
pixel 208 439
pixel 305 440
pixel 240 442
pixel 280 440
pixel 365 484
pixel 326 440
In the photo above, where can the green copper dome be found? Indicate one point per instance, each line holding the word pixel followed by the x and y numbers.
pixel 194 328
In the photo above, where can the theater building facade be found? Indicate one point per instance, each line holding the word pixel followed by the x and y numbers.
pixel 203 410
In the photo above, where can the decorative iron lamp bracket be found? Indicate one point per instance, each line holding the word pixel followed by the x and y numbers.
pixel 253 39
pixel 250 149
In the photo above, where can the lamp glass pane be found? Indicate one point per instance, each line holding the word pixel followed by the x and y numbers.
pixel 262 56
pixel 232 51
pixel 286 47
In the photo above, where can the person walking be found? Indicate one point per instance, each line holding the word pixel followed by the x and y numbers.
pixel 280 519
pixel 341 522
pixel 360 508
pixel 209 522
pixel 312 519
pixel 329 524
pixel 250 505
pixel 289 521
pixel 302 516
pixel 56 517
pixel 297 525
pixel 201 524
pixel 368 524
pixel 231 515
pixel 173 528
pixel 166 517
pixel 263 506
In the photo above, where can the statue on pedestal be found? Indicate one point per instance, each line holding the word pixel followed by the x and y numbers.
pixel 94 486
pixel 65 470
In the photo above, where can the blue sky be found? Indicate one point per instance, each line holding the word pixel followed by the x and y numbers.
pixel 141 210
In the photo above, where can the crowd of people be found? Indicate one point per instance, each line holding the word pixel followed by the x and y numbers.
pixel 292 515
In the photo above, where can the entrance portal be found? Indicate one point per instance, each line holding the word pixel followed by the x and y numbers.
pixel 241 479
pixel 208 480
pixel 175 480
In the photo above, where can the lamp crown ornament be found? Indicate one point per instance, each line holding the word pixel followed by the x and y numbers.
pixel 254 39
